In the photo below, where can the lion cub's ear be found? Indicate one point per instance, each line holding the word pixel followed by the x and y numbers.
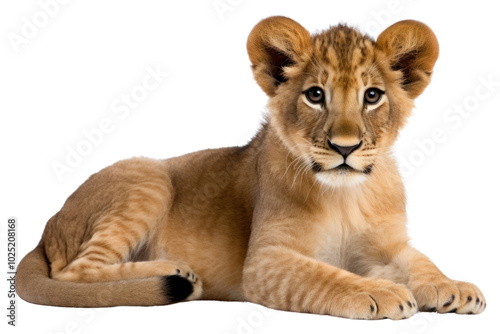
pixel 273 45
pixel 413 49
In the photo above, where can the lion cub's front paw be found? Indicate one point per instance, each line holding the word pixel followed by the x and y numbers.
pixel 381 300
pixel 393 301
pixel 445 296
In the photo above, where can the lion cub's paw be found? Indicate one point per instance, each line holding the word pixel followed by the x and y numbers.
pixel 183 284
pixel 447 296
pixel 393 301
pixel 187 273
pixel 382 301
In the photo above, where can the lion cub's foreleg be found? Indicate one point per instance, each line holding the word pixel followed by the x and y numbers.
pixel 281 278
pixel 430 287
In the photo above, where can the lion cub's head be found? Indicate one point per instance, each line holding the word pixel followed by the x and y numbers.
pixel 338 98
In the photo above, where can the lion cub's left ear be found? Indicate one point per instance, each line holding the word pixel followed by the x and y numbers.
pixel 413 49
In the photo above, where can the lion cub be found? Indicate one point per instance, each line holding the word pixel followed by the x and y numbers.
pixel 309 216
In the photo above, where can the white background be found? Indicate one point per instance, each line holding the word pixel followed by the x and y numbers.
pixel 65 79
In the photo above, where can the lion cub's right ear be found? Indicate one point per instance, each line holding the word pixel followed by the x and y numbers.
pixel 275 44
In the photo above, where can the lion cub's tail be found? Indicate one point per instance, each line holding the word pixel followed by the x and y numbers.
pixel 33 284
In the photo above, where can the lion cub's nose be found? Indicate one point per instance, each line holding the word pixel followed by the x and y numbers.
pixel 344 150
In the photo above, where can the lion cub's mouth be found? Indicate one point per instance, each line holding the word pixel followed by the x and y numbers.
pixel 342 168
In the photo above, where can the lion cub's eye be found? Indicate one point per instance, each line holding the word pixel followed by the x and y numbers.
pixel 315 95
pixel 373 95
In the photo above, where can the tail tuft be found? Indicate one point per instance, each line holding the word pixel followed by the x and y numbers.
pixel 176 288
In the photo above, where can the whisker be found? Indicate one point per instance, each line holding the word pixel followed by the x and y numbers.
pixel 304 165
pixel 286 158
pixel 312 186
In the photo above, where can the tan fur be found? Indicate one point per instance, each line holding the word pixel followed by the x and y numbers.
pixel 276 222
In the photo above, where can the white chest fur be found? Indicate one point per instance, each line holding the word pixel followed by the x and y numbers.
pixel 340 234
pixel 332 246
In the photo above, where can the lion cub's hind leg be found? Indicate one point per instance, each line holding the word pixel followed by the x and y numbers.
pixel 105 257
